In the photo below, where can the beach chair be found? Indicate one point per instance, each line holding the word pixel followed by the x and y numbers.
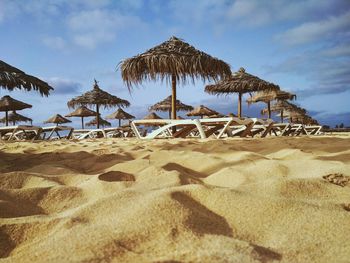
pixel 313 129
pixel 227 127
pixel 280 129
pixel 164 128
pixel 56 130
pixel 20 132
pixel 81 134
pixel 261 127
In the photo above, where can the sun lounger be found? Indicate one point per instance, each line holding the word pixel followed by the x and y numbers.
pixel 313 129
pixel 20 132
pixel 195 128
pixel 261 127
pixel 88 134
pixel 56 130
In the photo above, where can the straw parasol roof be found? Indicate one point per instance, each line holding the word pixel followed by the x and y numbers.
pixel 152 116
pixel 101 121
pixel 12 78
pixel 173 60
pixel 165 105
pixel 269 95
pixel 120 115
pixel 58 119
pixel 15 118
pixel 8 103
pixel 284 106
pixel 240 82
pixel 97 97
pixel 82 112
pixel 202 111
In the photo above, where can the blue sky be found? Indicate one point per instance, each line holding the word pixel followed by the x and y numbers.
pixel 303 46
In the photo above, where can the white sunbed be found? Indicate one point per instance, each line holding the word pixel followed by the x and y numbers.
pixel 20 132
pixel 197 128
pixel 313 129
pixel 88 134
pixel 56 129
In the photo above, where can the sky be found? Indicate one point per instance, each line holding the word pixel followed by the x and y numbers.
pixel 303 46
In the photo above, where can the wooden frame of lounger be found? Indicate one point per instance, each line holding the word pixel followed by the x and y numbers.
pixel 313 129
pixel 56 129
pixel 81 134
pixel 218 127
pixel 15 131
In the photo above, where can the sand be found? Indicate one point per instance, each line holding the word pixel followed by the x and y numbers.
pixel 123 200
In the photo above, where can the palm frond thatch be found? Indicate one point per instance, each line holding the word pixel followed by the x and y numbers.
pixel 82 112
pixel 165 105
pixel 12 78
pixel 57 119
pixel 101 121
pixel 202 111
pixel 14 117
pixel 270 95
pixel 120 115
pixel 172 58
pixel 97 97
pixel 8 103
pixel 285 105
pixel 240 82
pixel 152 116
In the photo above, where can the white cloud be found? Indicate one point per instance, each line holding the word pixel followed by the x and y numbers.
pixel 55 42
pixel 312 31
pixel 92 27
pixel 64 86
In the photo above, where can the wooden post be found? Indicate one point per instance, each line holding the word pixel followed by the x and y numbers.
pixel 98 116
pixel 269 108
pixel 82 122
pixel 173 97
pixel 282 116
pixel 119 122
pixel 7 118
pixel 239 113
pixel 173 100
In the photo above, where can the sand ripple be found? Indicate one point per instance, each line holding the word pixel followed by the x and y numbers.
pixel 239 200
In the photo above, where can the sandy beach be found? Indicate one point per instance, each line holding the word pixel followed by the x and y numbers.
pixel 124 200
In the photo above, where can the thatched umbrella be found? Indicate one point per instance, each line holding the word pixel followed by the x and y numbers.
pixel 14 117
pixel 282 106
pixel 120 115
pixel 8 103
pixel 165 105
pixel 96 121
pixel 202 111
pixel 173 60
pixel 98 97
pixel 240 82
pixel 152 116
pixel 11 78
pixel 269 95
pixel 82 112
pixel 57 119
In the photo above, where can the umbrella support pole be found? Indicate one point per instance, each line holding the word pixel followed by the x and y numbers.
pixel 119 122
pixel 269 109
pixel 239 113
pixel 7 118
pixel 82 123
pixel 173 100
pixel 282 116
pixel 98 116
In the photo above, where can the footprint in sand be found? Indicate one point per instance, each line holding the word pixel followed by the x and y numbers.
pixel 346 206
pixel 337 178
pixel 116 176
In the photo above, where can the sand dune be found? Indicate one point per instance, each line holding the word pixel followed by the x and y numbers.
pixel 237 200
